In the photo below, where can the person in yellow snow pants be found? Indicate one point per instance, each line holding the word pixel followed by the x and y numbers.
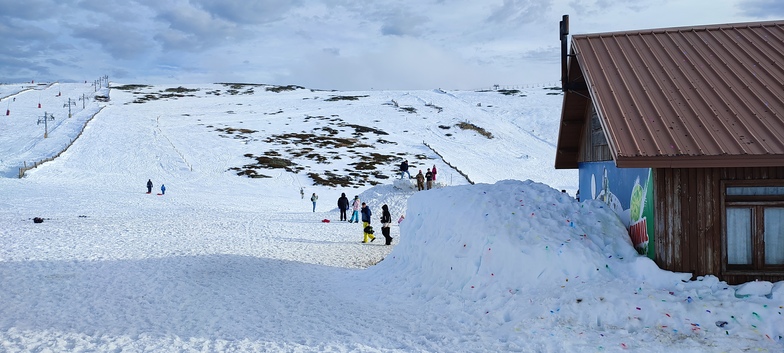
pixel 366 223
pixel 368 232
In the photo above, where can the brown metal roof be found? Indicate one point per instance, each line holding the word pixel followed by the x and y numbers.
pixel 707 96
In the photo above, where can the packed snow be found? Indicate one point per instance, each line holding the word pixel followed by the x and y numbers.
pixel 226 262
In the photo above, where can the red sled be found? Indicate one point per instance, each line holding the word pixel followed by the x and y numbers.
pixel 325 220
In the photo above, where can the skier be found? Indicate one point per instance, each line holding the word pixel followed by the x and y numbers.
pixel 149 186
pixel 355 206
pixel 163 189
pixel 343 206
pixel 302 193
pixel 366 228
pixel 386 221
pixel 313 199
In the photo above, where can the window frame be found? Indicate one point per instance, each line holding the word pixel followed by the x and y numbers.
pixel 757 204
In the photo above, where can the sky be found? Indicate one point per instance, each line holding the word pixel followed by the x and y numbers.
pixel 227 263
pixel 325 44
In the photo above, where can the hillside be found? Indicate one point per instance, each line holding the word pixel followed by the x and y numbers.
pixel 232 258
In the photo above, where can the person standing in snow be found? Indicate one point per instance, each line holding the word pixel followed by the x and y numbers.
pixel 386 221
pixel 366 223
pixel 149 186
pixel 404 169
pixel 420 181
pixel 343 206
pixel 356 207
pixel 434 172
pixel 429 179
pixel 313 199
pixel 163 189
pixel 302 193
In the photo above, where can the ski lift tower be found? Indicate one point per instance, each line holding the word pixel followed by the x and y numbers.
pixel 45 120
pixel 69 104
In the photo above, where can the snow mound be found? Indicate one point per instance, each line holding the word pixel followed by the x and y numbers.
pixel 512 251
pixel 471 236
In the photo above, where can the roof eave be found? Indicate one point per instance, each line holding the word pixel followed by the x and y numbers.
pixel 720 161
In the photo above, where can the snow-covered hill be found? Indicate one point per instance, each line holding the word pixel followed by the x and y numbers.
pixel 232 258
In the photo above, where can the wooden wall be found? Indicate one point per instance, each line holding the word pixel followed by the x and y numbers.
pixel 594 146
pixel 688 219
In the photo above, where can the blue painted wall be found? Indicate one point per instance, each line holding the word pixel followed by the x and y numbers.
pixel 626 191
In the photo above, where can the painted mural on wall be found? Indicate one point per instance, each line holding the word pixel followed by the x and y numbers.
pixel 626 191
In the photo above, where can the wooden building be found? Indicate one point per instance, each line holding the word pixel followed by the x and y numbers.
pixel 700 110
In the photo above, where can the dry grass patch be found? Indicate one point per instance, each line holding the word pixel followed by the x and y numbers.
pixel 468 126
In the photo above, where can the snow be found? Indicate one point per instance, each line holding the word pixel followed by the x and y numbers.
pixel 229 263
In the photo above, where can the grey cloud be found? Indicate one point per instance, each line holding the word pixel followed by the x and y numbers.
pixel 247 12
pixel 587 8
pixel 192 29
pixel 31 10
pixel 119 40
pixel 60 63
pixel 117 10
pixel 13 31
pixel 520 11
pixel 762 8
pixel 178 40
pixel 331 51
pixel 13 69
pixel 551 54
pixel 401 22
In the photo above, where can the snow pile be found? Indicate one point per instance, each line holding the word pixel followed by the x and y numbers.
pixel 513 251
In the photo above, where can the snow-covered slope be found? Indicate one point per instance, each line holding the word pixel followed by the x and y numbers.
pixel 224 262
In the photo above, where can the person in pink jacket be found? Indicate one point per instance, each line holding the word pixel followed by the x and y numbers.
pixel 355 206
pixel 434 172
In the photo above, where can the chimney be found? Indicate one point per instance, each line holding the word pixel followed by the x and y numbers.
pixel 564 32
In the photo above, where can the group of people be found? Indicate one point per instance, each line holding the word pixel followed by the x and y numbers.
pixel 423 181
pixel 362 211
pixel 149 187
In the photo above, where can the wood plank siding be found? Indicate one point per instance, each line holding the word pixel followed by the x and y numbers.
pixel 688 220
pixel 594 146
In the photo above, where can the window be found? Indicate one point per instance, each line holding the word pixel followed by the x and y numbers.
pixel 754 226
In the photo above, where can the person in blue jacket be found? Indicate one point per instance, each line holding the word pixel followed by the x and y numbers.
pixel 163 189
pixel 366 223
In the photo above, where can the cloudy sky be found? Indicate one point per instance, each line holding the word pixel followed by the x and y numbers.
pixel 327 44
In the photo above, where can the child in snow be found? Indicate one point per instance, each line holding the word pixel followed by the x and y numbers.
pixel 163 189
pixel 355 206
